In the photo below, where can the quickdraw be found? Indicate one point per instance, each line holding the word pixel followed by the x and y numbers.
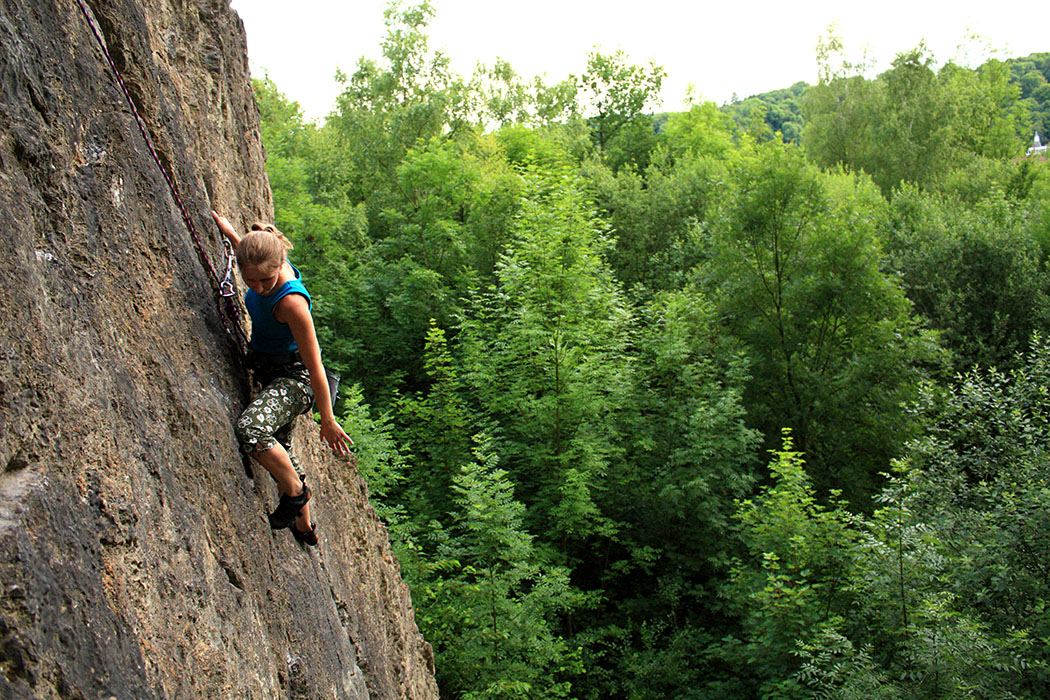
pixel 228 288
pixel 225 289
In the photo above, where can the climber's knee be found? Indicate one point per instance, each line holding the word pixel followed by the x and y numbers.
pixel 253 433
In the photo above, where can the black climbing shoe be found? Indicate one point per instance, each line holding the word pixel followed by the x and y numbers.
pixel 288 509
pixel 308 538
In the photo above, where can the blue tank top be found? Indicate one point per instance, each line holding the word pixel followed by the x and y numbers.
pixel 269 334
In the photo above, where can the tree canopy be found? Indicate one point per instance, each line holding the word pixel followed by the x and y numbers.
pixel 741 401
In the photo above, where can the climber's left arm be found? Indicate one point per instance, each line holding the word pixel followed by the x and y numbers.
pixel 294 310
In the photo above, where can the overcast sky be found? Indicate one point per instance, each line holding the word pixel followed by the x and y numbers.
pixel 721 48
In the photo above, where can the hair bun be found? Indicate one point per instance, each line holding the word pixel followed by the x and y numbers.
pixel 264 246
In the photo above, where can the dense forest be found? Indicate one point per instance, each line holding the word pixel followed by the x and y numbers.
pixel 746 401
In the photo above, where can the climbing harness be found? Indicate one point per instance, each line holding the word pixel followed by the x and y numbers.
pixel 225 289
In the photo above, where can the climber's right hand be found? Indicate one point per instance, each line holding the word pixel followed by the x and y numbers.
pixel 226 228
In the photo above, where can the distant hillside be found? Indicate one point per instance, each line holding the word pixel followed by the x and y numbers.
pixel 1032 73
pixel 783 108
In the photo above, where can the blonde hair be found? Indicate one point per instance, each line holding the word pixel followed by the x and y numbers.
pixel 263 247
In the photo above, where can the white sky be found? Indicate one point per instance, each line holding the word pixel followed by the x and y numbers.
pixel 734 46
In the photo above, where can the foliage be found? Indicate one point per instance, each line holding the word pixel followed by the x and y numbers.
pixel 975 272
pixel 702 131
pixel 804 549
pixel 692 450
pixel 436 431
pixel 779 110
pixel 379 461
pixel 509 99
pixel 844 606
pixel 546 355
pixel 983 471
pixel 1032 73
pixel 913 124
pixel 488 599
pixel 619 92
pixel 390 106
pixel 653 217
pixel 794 272
pixel 569 327
pixel 688 455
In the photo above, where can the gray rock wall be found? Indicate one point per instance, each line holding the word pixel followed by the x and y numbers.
pixel 135 558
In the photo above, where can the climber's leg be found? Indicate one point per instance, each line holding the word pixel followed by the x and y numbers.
pixel 277 405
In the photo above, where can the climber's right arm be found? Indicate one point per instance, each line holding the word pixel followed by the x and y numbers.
pixel 227 230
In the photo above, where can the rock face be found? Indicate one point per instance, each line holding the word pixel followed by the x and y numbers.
pixel 135 558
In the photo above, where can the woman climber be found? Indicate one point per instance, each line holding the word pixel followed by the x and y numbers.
pixel 286 358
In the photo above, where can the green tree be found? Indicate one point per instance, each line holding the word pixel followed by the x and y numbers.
pixel 509 98
pixel 490 601
pixel 974 271
pixel 654 217
pixel 378 461
pixel 704 130
pixel 688 455
pixel 392 105
pixel 1032 73
pixel 991 120
pixel 691 454
pixel 913 124
pixel 546 346
pixel 844 606
pixel 795 581
pixel 794 271
pixel 841 111
pixel 896 128
pixel 619 92
pixel 781 110
pixel 979 477
pixel 436 429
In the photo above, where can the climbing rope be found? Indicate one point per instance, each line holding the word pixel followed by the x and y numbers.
pixel 225 289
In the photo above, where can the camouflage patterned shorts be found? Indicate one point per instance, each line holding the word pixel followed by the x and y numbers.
pixel 260 426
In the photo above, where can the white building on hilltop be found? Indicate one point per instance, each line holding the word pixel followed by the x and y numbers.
pixel 1036 147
